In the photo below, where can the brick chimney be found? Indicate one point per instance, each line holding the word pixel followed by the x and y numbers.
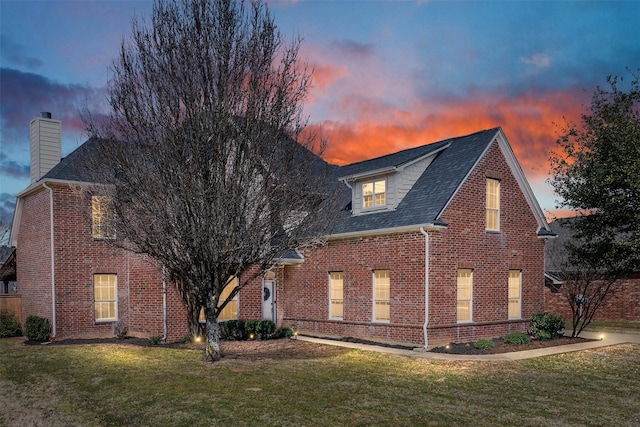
pixel 46 145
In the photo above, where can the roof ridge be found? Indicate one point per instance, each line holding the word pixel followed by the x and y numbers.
pixel 395 153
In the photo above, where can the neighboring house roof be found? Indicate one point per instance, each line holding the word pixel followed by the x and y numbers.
pixel 7 264
pixel 425 202
pixel 555 254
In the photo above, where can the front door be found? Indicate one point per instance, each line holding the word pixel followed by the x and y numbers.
pixel 268 300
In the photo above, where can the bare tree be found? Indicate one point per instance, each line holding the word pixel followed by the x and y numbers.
pixel 203 154
pixel 586 284
pixel 5 230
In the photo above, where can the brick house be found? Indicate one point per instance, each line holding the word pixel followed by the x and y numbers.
pixel 439 243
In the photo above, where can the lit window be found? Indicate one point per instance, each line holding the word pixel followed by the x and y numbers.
pixel 102 217
pixel 230 311
pixel 493 204
pixel 515 286
pixel 336 286
pixel 464 295
pixel 104 295
pixel 374 193
pixel 381 295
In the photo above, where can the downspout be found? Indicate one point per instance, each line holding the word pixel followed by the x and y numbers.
pixel 53 264
pixel 426 286
pixel 164 305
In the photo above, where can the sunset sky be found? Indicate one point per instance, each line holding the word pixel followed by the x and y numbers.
pixel 387 75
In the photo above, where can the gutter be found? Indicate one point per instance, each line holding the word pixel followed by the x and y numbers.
pixel 432 226
pixel 426 286
pixel 164 305
pixel 53 263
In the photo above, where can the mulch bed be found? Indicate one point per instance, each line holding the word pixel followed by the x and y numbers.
pixel 291 348
pixel 504 347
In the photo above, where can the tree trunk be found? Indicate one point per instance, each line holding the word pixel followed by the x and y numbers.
pixel 212 349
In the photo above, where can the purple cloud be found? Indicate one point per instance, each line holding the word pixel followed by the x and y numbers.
pixel 25 95
pixel 7 206
pixel 12 168
pixel 13 53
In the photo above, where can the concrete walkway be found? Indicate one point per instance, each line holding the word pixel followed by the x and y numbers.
pixel 603 339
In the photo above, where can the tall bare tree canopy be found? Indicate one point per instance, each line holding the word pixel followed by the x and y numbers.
pixel 596 172
pixel 203 152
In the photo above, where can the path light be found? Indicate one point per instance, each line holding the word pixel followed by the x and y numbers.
pixel 198 338
pixel 601 337
pixel 251 336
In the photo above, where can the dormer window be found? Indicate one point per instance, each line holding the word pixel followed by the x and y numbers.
pixel 374 193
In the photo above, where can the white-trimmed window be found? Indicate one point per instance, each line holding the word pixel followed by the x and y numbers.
pixel 493 204
pixel 230 311
pixel 374 193
pixel 515 294
pixel 105 297
pixel 336 287
pixel 381 296
pixel 465 293
pixel 102 225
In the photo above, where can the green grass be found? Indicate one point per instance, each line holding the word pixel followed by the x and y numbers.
pixel 612 326
pixel 119 385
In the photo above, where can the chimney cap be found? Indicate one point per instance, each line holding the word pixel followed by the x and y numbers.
pixel 45 115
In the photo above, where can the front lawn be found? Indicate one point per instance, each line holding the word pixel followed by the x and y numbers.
pixel 310 385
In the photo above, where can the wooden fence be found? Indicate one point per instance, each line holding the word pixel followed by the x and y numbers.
pixel 12 303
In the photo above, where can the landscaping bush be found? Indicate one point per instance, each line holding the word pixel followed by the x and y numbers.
pixel 265 329
pixel 484 344
pixel 546 326
pixel 518 338
pixel 37 328
pixel 251 327
pixel 543 335
pixel 120 329
pixel 233 330
pixel 284 333
pixel 9 325
pixel 155 340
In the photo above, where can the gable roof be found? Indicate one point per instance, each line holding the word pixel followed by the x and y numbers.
pixel 454 159
pixel 423 205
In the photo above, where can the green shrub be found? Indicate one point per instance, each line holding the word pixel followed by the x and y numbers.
pixel 543 335
pixel 265 329
pixel 518 338
pixel 484 344
pixel 284 333
pixel 546 326
pixel 155 340
pixel 233 330
pixel 9 325
pixel 37 328
pixel 251 328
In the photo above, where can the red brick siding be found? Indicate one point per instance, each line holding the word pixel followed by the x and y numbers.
pixel 464 244
pixel 33 256
pixel 306 288
pixel 622 304
pixel 77 257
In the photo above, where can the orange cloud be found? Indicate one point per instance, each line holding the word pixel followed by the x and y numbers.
pixel 529 121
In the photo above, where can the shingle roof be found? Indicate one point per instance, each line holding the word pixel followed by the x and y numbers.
pixel 432 191
pixel 74 166
pixel 422 204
